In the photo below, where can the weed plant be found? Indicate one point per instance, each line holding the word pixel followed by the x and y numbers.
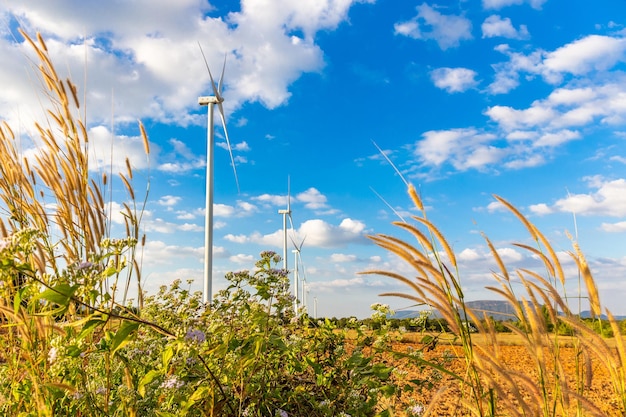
pixel 72 343
pixel 487 386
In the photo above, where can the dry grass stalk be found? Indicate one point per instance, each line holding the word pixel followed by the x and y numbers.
pixel 538 304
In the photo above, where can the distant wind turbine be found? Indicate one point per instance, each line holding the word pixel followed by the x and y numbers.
pixel 296 274
pixel 286 213
pixel 210 101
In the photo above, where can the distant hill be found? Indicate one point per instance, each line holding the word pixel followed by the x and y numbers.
pixel 498 310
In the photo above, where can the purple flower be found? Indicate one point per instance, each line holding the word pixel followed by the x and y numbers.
pixel 84 265
pixel 195 335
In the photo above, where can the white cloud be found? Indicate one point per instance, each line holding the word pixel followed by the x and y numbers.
pixel 447 30
pixel 321 234
pixel 496 26
pixel 159 252
pixel 608 199
pixel 495 206
pixel 237 238
pixel 509 255
pixel 540 209
pixel 618 227
pixel 552 139
pixel 108 151
pixel 593 52
pixel 342 258
pixel 242 259
pixel 318 233
pixel 169 200
pixel 498 4
pixel 274 200
pixel 454 80
pixel 511 119
pixel 468 255
pixel 128 60
pixel 312 199
pixel 462 148
pixel 588 55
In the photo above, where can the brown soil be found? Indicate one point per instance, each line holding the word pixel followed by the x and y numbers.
pixel 445 397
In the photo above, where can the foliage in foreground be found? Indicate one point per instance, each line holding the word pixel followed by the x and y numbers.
pixel 71 342
pixel 542 314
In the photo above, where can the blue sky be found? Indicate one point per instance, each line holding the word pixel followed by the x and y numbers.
pixel 521 98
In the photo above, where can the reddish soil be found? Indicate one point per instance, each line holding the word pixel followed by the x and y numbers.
pixel 445 397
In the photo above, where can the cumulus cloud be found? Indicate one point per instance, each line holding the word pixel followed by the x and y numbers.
pixel 268 46
pixel 496 26
pixel 608 199
pixel 429 24
pixel 594 52
pixel 159 252
pixel 312 199
pixel 341 257
pixel 462 148
pixel 588 55
pixel 318 233
pixel 618 227
pixel 499 4
pixel 169 200
pixel 454 80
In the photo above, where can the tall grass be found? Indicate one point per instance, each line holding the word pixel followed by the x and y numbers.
pixel 61 264
pixel 488 386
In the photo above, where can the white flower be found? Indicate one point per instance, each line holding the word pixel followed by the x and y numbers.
pixel 52 354
pixel 416 410
pixel 172 382
pixel 281 413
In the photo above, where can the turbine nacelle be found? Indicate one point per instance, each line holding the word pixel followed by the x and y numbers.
pixel 206 100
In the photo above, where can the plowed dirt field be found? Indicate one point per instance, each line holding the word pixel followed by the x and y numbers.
pixel 444 397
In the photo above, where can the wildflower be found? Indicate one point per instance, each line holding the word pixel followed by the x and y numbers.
pixel 281 413
pixel 52 354
pixel 4 243
pixel 172 383
pixel 194 335
pixel 415 410
pixel 84 265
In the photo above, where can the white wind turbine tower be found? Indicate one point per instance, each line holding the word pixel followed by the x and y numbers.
pixel 286 213
pixel 296 274
pixel 210 101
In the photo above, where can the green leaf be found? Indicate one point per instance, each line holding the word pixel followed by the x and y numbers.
pixel 89 327
pixel 122 337
pixel 198 394
pixel 17 300
pixel 147 378
pixel 167 355
pixel 59 294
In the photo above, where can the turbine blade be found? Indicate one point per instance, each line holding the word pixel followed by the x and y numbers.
pixel 392 164
pixel 388 205
pixel 221 84
pixel 230 149
pixel 216 93
pixel 289 195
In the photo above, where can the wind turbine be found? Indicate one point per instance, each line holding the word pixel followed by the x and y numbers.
pixel 296 274
pixel 210 102
pixel 286 213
